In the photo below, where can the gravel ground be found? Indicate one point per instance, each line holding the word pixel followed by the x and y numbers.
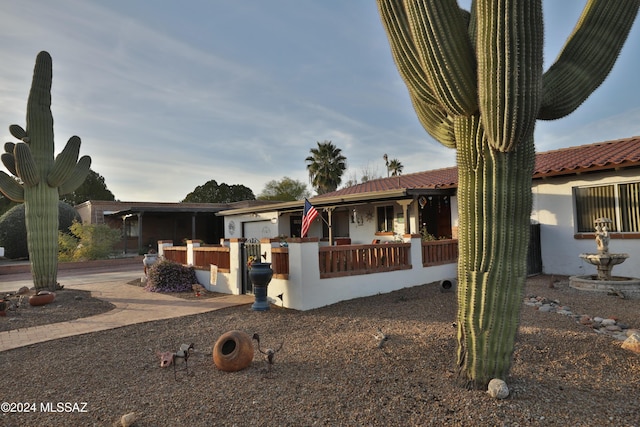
pixel 330 371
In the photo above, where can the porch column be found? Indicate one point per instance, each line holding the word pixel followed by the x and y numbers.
pixel 193 226
pixel 140 230
pixel 330 224
pixel 405 205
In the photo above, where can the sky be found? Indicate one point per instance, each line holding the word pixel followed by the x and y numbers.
pixel 168 95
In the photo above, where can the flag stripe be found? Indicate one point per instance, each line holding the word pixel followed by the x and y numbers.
pixel 308 215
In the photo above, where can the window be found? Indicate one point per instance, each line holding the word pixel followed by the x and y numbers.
pixel 385 218
pixel 618 202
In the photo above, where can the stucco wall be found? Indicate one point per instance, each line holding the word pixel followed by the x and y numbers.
pixel 554 209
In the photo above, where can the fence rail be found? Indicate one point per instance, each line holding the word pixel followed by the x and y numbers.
pixel 176 254
pixel 217 255
pixel 280 262
pixel 337 261
pixel 439 252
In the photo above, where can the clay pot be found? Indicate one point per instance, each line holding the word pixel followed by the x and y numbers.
pixel 43 298
pixel 233 351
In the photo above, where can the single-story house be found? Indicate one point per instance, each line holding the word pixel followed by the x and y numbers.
pixel 571 186
pixel 144 223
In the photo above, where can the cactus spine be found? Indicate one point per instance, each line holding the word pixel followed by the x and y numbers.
pixel 477 84
pixel 43 178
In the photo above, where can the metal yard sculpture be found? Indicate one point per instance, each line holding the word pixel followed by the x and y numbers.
pixel 477 84
pixel 41 177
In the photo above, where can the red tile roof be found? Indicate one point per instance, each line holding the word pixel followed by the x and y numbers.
pixel 588 158
pixel 606 155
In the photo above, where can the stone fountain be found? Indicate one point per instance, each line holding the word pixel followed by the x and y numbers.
pixel 604 261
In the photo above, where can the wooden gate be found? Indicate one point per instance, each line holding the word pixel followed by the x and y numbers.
pixel 250 248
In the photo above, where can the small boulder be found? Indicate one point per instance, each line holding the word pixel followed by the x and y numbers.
pixel 498 389
pixel 632 343
pixel 128 419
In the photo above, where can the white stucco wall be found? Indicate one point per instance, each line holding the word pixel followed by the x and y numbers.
pixel 305 290
pixel 553 208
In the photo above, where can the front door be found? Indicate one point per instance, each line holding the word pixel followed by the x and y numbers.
pixel 435 215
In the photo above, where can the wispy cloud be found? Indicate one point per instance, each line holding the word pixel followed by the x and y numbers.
pixel 170 97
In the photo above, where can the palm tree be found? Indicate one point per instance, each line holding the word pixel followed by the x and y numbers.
pixel 326 166
pixel 395 167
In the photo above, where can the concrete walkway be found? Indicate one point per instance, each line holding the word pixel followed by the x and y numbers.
pixel 133 305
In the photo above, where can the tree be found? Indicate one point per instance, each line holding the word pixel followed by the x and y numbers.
pixel 477 85
pixel 93 188
pixel 211 192
pixel 6 204
pixel 284 190
pixel 43 178
pixel 13 229
pixel 395 167
pixel 326 164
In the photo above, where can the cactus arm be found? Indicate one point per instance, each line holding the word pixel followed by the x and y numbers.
pixel 65 163
pixel 510 42
pixel 587 57
pixel 444 50
pixel 432 37
pixel 9 162
pixel 18 132
pixel 10 188
pixel 77 176
pixel 404 51
pixel 435 121
pixel 9 146
pixel 25 165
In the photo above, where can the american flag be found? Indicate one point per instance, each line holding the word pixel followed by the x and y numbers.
pixel 308 215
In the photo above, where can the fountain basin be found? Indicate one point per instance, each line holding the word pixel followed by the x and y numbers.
pixel 629 286
pixel 604 259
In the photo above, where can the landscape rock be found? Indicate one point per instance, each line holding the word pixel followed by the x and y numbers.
pixel 128 419
pixel 498 389
pixel 632 343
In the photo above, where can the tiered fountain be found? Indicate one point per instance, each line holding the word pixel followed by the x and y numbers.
pixel 604 261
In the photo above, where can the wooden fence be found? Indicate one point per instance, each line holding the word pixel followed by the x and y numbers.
pixel 176 254
pixel 204 256
pixel 337 261
pixel 334 261
pixel 439 252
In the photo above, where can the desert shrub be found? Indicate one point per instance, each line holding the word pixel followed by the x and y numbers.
pixel 87 242
pixel 169 276
pixel 13 230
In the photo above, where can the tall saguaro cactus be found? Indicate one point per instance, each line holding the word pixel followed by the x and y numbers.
pixel 477 84
pixel 43 177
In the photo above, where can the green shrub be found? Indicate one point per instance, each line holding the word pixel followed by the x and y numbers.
pixel 87 242
pixel 169 276
pixel 13 230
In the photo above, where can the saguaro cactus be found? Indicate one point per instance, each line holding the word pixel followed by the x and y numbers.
pixel 477 84
pixel 43 177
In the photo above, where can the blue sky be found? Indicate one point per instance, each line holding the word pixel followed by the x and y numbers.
pixel 168 95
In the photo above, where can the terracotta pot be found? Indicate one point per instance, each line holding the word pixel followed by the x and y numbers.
pixel 43 298
pixel 233 351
